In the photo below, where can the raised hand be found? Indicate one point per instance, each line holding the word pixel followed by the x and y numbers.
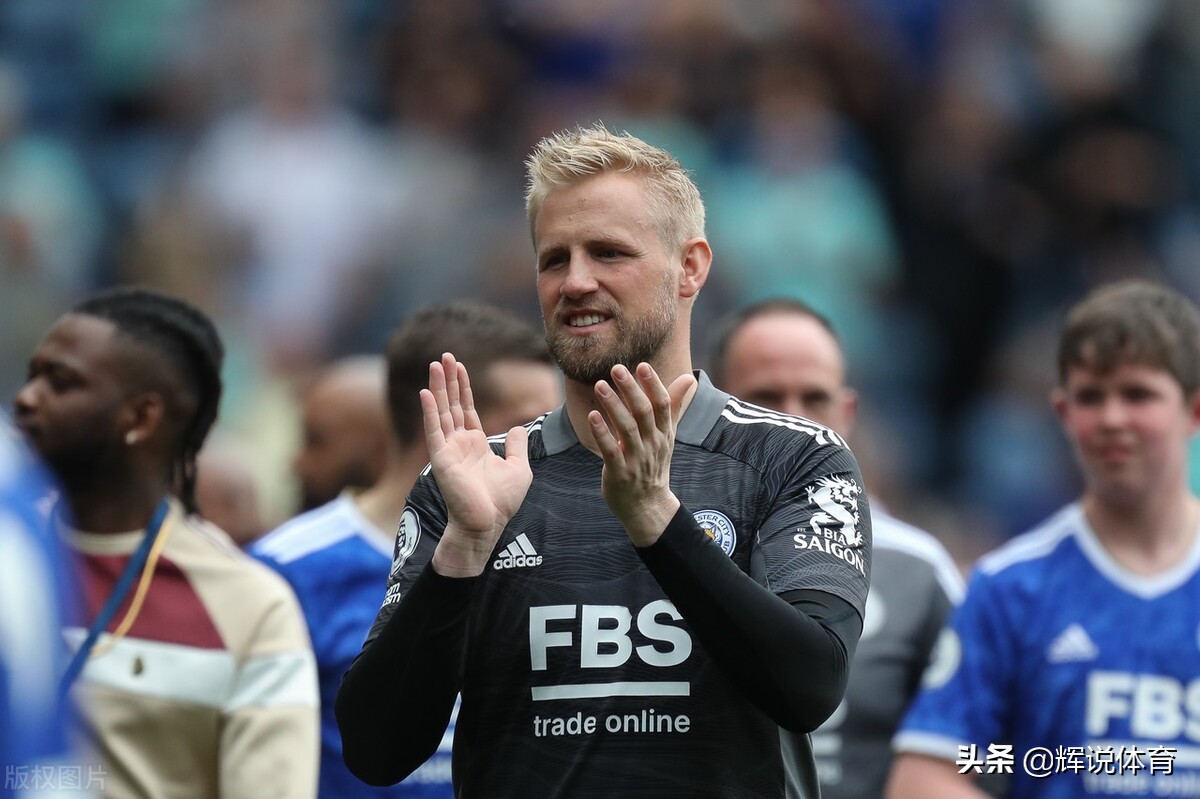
pixel 482 490
pixel 635 433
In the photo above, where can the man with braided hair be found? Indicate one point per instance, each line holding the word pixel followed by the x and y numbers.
pixel 191 666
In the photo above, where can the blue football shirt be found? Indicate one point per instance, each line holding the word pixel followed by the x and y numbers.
pixel 1089 672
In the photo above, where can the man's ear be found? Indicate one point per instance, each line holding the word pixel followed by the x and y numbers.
pixel 143 417
pixel 849 400
pixel 697 258
pixel 1193 404
pixel 1058 401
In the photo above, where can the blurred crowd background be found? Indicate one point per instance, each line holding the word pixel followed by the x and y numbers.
pixel 940 177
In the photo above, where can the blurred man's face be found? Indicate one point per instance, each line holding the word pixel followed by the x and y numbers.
pixel 790 363
pixel 345 438
pixel 607 286
pixel 1130 427
pixel 70 407
pixel 521 391
pixel 226 494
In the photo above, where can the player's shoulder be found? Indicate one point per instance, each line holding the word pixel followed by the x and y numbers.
pixel 1036 550
pixel 310 533
pixel 755 434
pixel 917 547
pixel 536 447
pixel 205 552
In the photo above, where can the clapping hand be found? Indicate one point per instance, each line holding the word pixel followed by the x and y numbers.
pixel 635 433
pixel 482 490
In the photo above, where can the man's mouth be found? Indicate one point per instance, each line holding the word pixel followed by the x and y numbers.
pixel 585 320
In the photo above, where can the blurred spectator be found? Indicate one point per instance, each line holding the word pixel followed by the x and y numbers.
pixel 49 229
pixel 939 175
pixel 345 442
pixel 226 494
pixel 296 182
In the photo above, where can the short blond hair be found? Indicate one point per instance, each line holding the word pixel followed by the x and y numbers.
pixel 572 156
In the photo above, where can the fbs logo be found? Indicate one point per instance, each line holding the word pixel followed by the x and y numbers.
pixel 517 554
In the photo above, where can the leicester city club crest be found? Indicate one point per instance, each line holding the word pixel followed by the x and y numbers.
pixel 716 525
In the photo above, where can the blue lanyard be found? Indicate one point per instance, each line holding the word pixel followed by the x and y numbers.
pixel 119 592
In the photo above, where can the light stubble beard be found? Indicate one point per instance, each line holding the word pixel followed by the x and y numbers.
pixel 588 360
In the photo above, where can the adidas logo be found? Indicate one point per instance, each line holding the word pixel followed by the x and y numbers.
pixel 517 554
pixel 1072 645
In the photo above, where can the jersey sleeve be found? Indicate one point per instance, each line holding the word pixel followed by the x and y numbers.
pixel 816 534
pixel 409 667
pixel 420 529
pixel 967 684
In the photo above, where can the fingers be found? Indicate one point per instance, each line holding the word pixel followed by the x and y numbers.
pixel 606 442
pixel 437 388
pixel 453 395
pixel 516 445
pixel 470 415
pixel 435 437
pixel 658 397
pixel 620 421
pixel 642 407
pixel 450 387
pixel 681 390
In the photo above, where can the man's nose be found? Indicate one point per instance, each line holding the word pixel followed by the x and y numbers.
pixel 580 278
pixel 25 403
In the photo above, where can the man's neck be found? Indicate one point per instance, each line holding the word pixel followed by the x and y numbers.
pixel 581 398
pixel 1147 537
pixel 383 503
pixel 114 509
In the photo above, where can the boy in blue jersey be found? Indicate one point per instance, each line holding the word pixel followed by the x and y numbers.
pixel 1074 662
pixel 337 557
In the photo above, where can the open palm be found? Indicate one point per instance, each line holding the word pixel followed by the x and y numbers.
pixel 482 490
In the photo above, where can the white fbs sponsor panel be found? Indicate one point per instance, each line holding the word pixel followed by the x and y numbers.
pixel 603 637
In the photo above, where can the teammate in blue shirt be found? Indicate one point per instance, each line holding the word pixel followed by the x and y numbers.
pixel 1074 662
pixel 337 557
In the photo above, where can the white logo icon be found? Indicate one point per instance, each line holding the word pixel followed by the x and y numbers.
pixel 406 539
pixel 837 499
pixel 1073 645
pixel 517 554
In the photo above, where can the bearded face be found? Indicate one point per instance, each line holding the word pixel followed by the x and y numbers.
pixel 634 335
pixel 607 284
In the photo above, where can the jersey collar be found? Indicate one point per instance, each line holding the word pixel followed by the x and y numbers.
pixel 698 420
